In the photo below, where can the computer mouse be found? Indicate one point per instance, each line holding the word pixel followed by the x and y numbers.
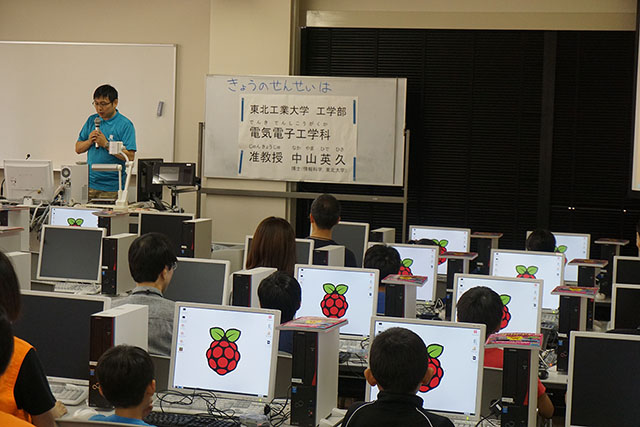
pixel 84 413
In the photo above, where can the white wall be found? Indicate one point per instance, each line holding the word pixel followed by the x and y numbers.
pixel 259 37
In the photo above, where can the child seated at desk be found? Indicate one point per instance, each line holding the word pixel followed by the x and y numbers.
pixel 386 260
pixel 398 365
pixel 483 305
pixel 126 378
pixel 281 291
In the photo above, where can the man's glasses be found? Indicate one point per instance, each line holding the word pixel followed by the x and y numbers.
pixel 101 104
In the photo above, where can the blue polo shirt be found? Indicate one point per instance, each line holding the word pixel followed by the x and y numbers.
pixel 117 128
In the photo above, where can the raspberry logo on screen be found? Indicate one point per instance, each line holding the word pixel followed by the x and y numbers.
pixel 434 351
pixel 443 249
pixel 405 267
pixel 506 316
pixel 561 250
pixel 223 355
pixel 75 222
pixel 526 272
pixel 334 304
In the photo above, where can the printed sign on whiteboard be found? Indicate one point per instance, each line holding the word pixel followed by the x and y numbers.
pixel 298 137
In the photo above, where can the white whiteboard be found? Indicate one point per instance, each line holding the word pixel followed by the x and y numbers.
pixel 381 117
pixel 47 90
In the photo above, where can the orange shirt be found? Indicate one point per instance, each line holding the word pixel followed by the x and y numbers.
pixel 9 378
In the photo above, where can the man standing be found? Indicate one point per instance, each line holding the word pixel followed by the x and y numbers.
pixel 325 214
pixel 100 128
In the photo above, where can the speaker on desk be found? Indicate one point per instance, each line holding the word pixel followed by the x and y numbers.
pixel 125 324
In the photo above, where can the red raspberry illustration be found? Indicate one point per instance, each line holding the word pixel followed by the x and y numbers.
pixel 334 304
pixel 526 272
pixel 223 355
pixel 562 249
pixel 443 249
pixel 506 316
pixel 434 350
pixel 405 269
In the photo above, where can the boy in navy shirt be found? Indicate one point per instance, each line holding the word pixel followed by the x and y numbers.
pixel 398 365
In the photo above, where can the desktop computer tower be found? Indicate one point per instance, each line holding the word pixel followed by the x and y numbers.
pixel 17 217
pixel 126 324
pixel 400 300
pixel 116 277
pixel 21 262
pixel 244 286
pixel 519 378
pixel 383 234
pixel 576 314
pixel 332 255
pixel 314 376
pixel 196 238
pixel 75 179
pixel 114 223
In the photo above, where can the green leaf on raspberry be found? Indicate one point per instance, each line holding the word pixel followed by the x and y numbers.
pixel 407 262
pixel 562 249
pixel 216 333
pixel 435 350
pixel 71 221
pixel 79 221
pixel 328 288
pixel 443 243
pixel 505 299
pixel 521 269
pixel 436 241
pixel 532 270
pixel 232 335
pixel 342 289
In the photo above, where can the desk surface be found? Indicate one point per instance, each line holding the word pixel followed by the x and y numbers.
pixel 555 377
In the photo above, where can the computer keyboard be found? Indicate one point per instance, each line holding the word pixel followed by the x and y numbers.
pixel 76 288
pixel 171 419
pixel 69 394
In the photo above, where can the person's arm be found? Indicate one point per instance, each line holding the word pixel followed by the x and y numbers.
pixel 545 406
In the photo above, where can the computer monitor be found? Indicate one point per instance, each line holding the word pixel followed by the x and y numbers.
pixel 522 299
pixel 198 280
pixel 29 178
pixel 420 260
pixel 169 224
pixel 73 217
pixel 304 250
pixel 449 240
pixel 70 254
pixel 626 269
pixel 547 266
pixel 458 348
pixel 353 236
pixel 230 351
pixel 625 301
pixel 604 378
pixel 58 326
pixel 339 292
pixel 573 246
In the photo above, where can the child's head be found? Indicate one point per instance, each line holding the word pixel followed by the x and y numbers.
pixel 280 291
pixel 481 305
pixel 6 341
pixel 541 240
pixel 9 289
pixel 384 258
pixel 398 361
pixel 273 245
pixel 126 377
pixel 424 242
pixel 151 258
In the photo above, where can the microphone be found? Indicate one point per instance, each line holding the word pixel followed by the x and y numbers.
pixel 97 123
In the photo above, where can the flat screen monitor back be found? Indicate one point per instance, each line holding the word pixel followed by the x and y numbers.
pixel 604 374
pixel 198 280
pixel 58 325
pixel 625 313
pixel 627 270
pixel 168 224
pixel 353 236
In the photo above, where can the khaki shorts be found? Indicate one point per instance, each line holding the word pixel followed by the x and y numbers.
pixel 97 194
